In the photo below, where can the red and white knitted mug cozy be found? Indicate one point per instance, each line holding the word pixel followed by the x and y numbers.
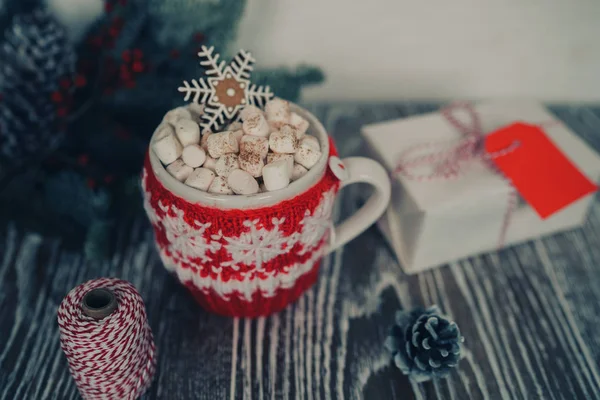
pixel 243 263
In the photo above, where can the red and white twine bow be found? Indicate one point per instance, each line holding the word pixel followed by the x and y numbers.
pixel 446 160
pixel 111 358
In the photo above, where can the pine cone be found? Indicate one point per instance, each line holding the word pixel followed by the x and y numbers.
pixel 424 344
pixel 35 55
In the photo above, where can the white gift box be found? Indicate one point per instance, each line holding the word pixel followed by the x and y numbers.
pixel 430 223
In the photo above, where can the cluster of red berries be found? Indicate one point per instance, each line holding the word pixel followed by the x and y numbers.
pixel 115 73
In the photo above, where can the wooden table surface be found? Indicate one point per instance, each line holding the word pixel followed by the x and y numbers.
pixel 530 314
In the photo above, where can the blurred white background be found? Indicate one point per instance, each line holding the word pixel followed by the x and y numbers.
pixel 436 49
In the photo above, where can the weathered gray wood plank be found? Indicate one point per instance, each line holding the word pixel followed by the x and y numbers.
pixel 529 313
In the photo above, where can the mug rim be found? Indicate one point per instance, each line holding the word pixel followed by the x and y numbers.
pixel 236 201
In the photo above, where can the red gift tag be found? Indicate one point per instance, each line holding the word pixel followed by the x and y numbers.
pixel 542 174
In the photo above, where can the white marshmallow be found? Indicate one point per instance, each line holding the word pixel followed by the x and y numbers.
pixel 204 141
pixel 298 172
pixel 255 124
pixel 282 143
pixel 252 163
pixel 276 176
pixel 166 146
pixel 221 143
pixel 248 111
pixel 201 179
pixel 234 126
pixel 238 134
pixel 288 158
pixel 241 182
pixel 307 156
pixel 288 129
pixel 299 123
pixel 176 114
pixel 219 185
pixel 278 112
pixel 210 163
pixel 254 144
pixel 193 155
pixel 273 128
pixel 311 141
pixel 164 129
pixel 196 110
pixel 179 170
pixel 226 163
pixel 188 132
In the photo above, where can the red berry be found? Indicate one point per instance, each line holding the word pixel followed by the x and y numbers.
pixel 198 37
pixel 138 54
pixel 174 53
pixel 129 84
pixel 108 179
pixel 83 159
pixel 57 97
pixel 125 73
pixel 108 7
pixel 114 31
pixel 123 2
pixel 65 83
pixel 91 183
pixel 62 112
pixel 80 81
pixel 126 55
pixel 137 66
pixel 118 22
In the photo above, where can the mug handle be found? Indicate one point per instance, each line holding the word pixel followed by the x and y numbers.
pixel 361 169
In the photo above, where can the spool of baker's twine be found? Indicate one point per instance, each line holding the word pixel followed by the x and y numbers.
pixel 105 335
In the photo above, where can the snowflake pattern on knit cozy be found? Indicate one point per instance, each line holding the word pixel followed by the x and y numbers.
pixel 188 241
pixel 317 224
pixel 253 247
pixel 258 245
pixel 226 90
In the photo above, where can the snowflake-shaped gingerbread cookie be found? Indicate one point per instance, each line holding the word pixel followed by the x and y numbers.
pixel 226 90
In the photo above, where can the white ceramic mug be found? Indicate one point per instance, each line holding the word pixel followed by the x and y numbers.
pixel 252 255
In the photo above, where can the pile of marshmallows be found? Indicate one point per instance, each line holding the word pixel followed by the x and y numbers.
pixel 270 147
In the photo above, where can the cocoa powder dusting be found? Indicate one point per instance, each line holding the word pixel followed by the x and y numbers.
pixel 250 158
pixel 253 121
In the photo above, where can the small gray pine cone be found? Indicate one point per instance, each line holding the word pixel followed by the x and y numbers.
pixel 36 54
pixel 424 344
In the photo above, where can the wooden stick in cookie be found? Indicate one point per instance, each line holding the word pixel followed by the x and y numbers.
pixel 226 90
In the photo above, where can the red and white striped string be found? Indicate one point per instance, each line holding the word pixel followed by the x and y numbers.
pixel 110 358
pixel 446 159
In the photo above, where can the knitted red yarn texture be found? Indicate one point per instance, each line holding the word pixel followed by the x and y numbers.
pixel 242 254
